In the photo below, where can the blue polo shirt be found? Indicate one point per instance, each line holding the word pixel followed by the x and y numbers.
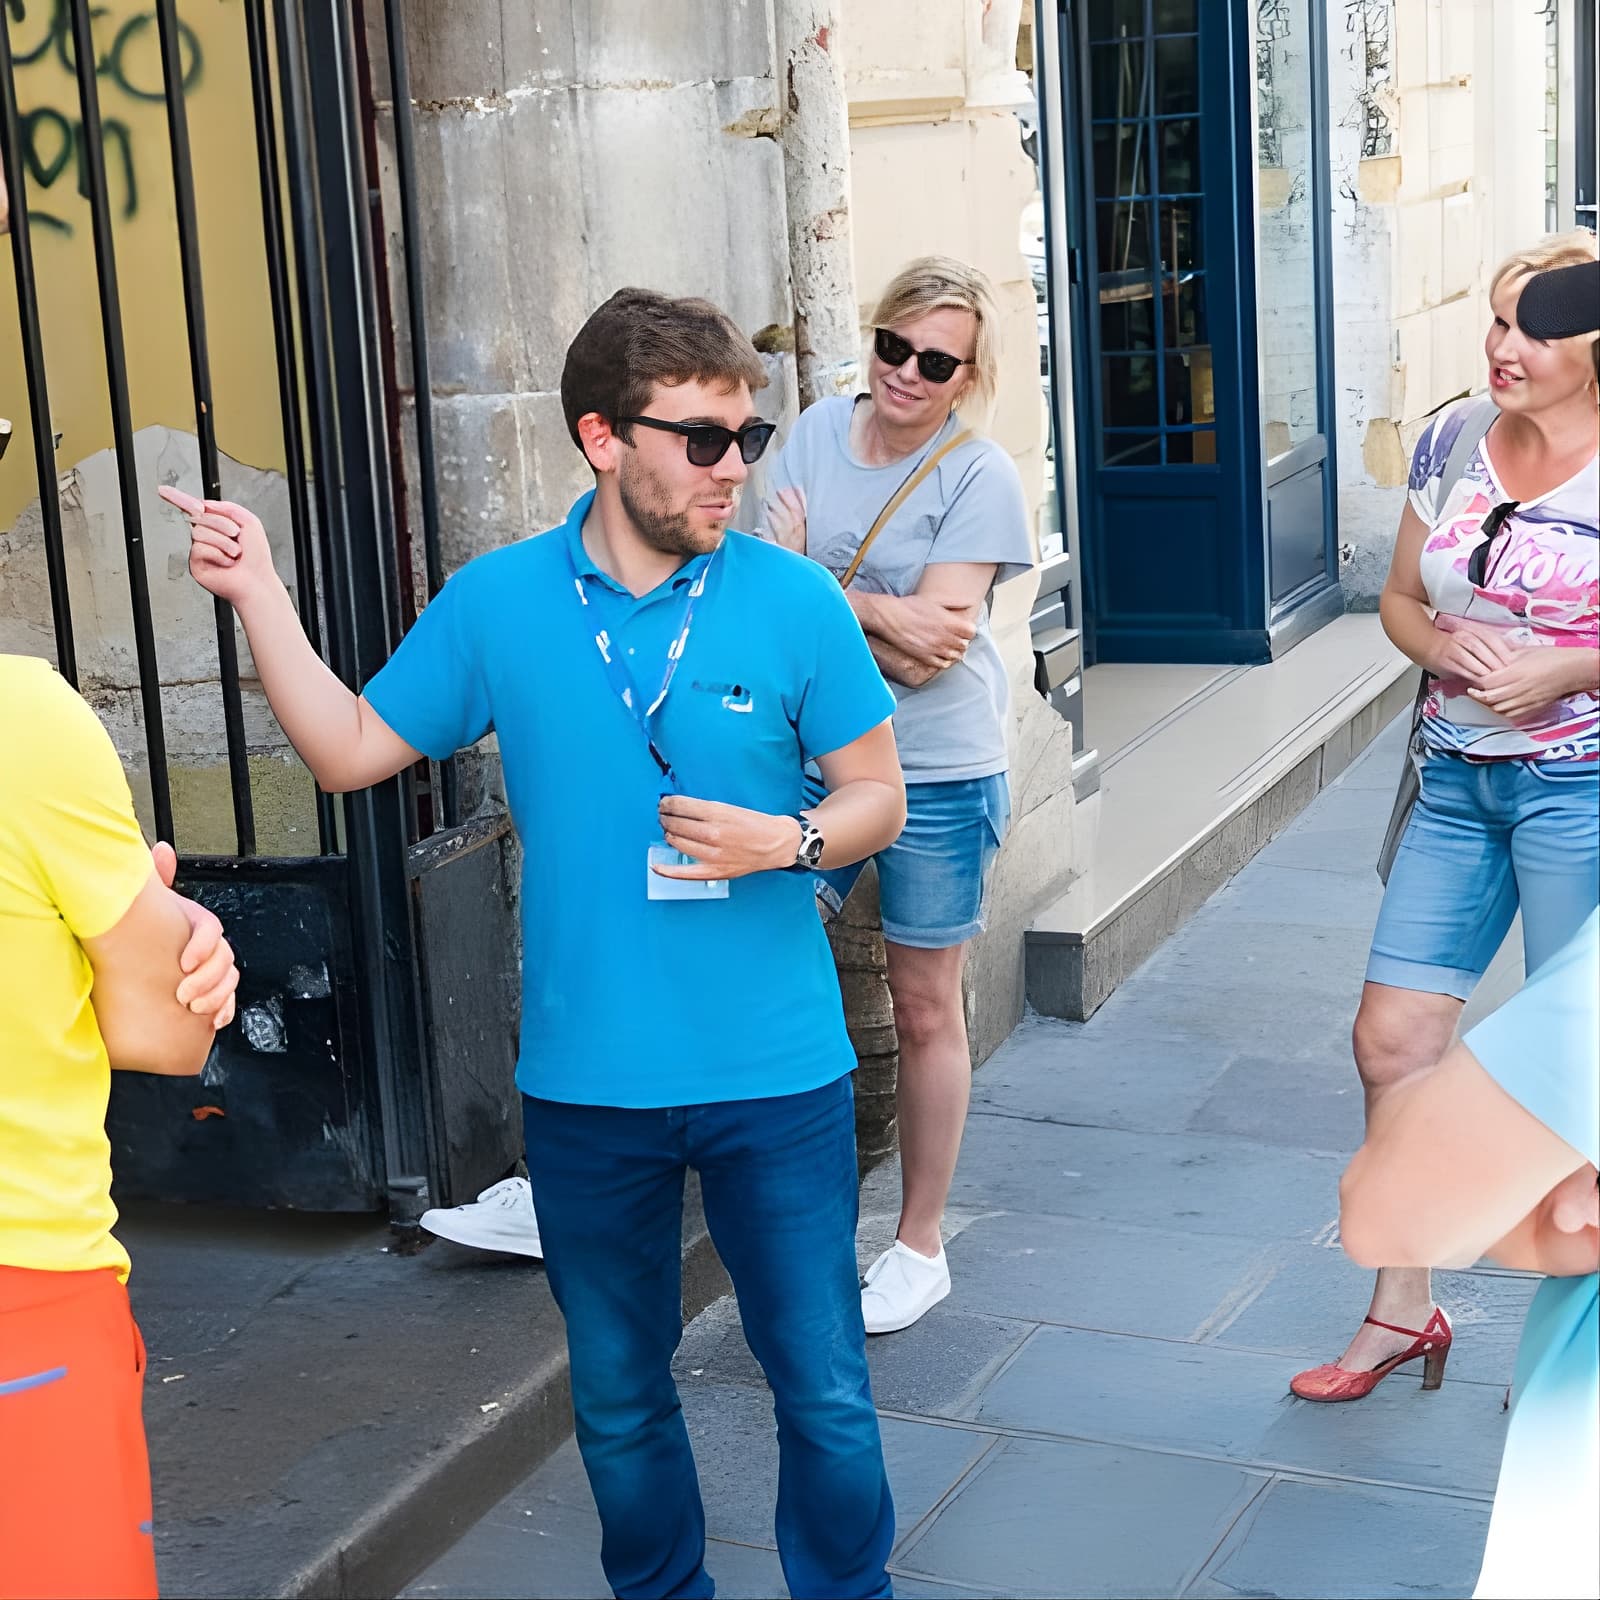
pixel 628 1001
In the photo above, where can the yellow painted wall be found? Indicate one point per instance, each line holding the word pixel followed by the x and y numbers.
pixel 139 171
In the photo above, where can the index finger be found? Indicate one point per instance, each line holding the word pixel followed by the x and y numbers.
pixel 190 505
pixel 203 939
pixel 698 873
pixel 682 805
pixel 1497 648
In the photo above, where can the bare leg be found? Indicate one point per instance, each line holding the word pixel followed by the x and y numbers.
pixel 1397 1032
pixel 934 1084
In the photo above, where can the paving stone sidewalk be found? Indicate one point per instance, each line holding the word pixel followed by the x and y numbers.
pixel 1145 1248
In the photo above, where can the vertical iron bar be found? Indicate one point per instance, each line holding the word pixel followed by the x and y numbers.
pixel 416 302
pixel 205 422
pixel 44 454
pixel 328 185
pixel 311 293
pixel 105 262
pixel 294 454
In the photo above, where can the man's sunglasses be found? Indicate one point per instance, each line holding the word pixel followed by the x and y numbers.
pixel 937 366
pixel 706 443
pixel 1478 561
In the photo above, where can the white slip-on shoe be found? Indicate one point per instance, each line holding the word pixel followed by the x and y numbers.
pixel 900 1286
pixel 500 1219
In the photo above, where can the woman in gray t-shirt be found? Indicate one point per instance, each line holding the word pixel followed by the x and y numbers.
pixel 921 592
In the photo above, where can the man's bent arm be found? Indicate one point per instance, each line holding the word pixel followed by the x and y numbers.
pixel 337 734
pixel 136 976
pixel 865 807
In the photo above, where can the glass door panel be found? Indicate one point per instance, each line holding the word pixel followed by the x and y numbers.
pixel 1143 89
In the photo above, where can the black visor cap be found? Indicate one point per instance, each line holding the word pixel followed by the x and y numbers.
pixel 1561 303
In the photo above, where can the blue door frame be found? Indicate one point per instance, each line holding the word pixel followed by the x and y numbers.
pixel 1193 550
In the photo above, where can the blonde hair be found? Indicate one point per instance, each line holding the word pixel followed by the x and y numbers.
pixel 939 283
pixel 1554 250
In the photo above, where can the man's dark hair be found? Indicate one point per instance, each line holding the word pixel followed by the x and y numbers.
pixel 639 339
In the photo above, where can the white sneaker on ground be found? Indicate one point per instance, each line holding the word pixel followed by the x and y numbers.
pixel 500 1219
pixel 900 1286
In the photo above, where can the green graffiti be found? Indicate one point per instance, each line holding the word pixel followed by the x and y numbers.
pixel 188 47
pixel 45 170
pixel 51 139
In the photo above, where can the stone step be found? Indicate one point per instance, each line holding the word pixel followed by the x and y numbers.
pixel 1200 767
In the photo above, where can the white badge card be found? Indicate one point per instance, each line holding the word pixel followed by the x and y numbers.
pixel 659 888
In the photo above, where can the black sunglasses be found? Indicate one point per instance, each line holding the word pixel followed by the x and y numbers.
pixel 1478 561
pixel 937 366
pixel 707 444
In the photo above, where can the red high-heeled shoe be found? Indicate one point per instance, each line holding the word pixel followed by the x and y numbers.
pixel 1332 1382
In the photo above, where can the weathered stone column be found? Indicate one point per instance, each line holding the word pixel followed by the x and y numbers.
pixel 815 124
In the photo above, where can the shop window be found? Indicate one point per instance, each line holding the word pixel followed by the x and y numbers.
pixel 1144 94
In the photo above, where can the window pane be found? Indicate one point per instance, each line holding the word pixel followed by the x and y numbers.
pixel 1121 159
pixel 1123 241
pixel 1128 388
pixel 1110 19
pixel 1182 244
pixel 1287 303
pixel 1190 397
pixel 1184 314
pixel 1128 324
pixel 1177 76
pixel 1132 450
pixel 1177 16
pixel 1180 156
pixel 1119 80
pixel 1192 449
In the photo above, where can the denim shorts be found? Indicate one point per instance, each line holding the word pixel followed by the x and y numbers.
pixel 1488 838
pixel 933 881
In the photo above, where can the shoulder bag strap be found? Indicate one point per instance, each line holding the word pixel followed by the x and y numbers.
pixel 899 498
pixel 1480 418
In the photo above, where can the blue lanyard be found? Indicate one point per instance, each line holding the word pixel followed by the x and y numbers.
pixel 621 680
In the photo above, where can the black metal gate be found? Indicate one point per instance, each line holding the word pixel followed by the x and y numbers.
pixel 372 1061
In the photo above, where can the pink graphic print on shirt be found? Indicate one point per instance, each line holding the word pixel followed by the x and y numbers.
pixel 1541 588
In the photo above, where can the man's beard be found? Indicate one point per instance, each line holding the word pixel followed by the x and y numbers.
pixel 645 501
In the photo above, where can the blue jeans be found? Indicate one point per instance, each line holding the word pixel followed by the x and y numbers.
pixel 778 1178
pixel 1488 838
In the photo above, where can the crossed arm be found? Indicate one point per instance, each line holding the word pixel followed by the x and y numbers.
pixel 1515 681
pixel 915 637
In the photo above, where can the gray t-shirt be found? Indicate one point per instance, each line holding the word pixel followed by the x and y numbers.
pixel 970 508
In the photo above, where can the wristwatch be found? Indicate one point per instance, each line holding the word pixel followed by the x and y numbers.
pixel 808 857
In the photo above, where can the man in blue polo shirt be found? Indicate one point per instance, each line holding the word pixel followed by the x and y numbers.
pixel 657 685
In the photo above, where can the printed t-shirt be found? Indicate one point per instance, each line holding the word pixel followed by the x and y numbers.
pixel 970 508
pixel 1541 586
pixel 72 861
pixel 629 1001
pixel 1543 1048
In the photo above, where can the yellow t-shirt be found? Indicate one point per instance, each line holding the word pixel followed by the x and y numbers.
pixel 72 861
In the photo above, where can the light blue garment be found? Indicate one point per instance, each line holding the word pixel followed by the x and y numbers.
pixel 1543 1048
pixel 970 508
pixel 1488 838
pixel 933 881
pixel 628 1001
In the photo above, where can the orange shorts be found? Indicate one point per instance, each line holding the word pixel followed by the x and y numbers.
pixel 74 1477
